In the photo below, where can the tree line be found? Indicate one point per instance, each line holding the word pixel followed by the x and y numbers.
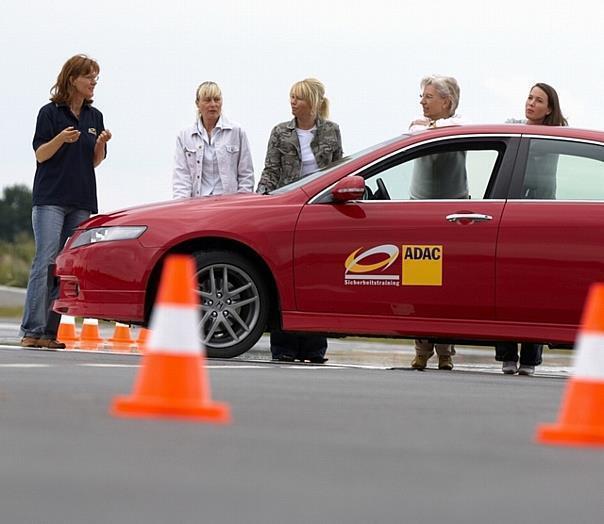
pixel 16 236
pixel 15 213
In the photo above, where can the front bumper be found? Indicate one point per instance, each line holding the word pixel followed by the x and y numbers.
pixel 107 281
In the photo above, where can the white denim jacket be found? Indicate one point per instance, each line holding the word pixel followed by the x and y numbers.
pixel 232 154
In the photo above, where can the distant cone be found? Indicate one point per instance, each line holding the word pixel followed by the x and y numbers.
pixel 142 339
pixel 90 336
pixel 121 338
pixel 67 331
pixel 581 419
pixel 173 381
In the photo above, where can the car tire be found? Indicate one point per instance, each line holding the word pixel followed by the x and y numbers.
pixel 233 302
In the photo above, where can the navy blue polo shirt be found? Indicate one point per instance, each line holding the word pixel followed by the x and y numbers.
pixel 67 178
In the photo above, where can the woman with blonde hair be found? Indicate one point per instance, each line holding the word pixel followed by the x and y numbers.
pixel 304 144
pixel 296 148
pixel 212 156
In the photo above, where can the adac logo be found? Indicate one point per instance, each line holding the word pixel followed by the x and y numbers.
pixel 369 265
pixel 421 265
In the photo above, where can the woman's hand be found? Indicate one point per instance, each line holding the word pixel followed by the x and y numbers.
pixel 69 135
pixel 99 147
pixel 103 138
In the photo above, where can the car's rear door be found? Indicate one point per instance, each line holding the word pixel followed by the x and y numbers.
pixel 402 258
pixel 551 242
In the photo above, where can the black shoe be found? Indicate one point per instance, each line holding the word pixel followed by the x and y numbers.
pixel 284 358
pixel 317 360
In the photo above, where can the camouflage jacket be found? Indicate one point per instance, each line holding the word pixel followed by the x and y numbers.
pixel 283 157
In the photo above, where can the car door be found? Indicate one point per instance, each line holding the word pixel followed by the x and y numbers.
pixel 390 255
pixel 551 243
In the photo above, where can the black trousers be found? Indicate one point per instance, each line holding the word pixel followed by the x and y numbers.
pixel 530 353
pixel 298 345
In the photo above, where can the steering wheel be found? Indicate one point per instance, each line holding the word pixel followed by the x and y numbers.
pixel 383 192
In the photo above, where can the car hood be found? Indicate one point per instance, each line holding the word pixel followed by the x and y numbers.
pixel 190 207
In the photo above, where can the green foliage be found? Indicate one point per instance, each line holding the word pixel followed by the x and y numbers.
pixel 16 238
pixel 15 260
pixel 15 213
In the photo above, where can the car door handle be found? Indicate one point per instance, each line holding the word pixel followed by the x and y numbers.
pixel 475 217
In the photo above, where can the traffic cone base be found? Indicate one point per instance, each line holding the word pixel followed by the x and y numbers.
pixel 581 422
pixel 173 386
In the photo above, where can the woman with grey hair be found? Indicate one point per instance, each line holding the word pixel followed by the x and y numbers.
pixel 439 101
pixel 213 155
pixel 438 176
pixel 296 148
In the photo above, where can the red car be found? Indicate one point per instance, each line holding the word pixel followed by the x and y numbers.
pixel 351 250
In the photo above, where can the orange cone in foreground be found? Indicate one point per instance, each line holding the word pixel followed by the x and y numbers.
pixel 581 419
pixel 67 331
pixel 173 381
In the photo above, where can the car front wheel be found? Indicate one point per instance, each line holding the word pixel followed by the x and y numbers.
pixel 233 303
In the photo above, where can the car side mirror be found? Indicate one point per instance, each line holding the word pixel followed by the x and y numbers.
pixel 349 188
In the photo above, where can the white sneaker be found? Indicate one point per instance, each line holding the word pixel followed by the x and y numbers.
pixel 526 370
pixel 509 367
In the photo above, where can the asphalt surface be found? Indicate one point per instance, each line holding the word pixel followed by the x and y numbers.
pixel 356 441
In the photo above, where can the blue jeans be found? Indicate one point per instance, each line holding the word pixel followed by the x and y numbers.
pixel 52 226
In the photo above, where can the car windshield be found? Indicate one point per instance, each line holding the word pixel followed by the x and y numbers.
pixel 319 173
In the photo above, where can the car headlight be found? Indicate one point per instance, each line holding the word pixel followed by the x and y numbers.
pixel 106 234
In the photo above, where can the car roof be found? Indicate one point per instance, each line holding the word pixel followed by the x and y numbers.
pixel 516 129
pixel 483 129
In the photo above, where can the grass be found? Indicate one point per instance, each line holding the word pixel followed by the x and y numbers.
pixel 15 261
pixel 11 312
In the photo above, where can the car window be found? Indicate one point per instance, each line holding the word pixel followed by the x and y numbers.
pixel 563 170
pixel 436 173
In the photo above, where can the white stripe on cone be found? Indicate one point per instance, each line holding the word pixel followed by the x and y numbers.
pixel 589 361
pixel 93 321
pixel 66 319
pixel 174 330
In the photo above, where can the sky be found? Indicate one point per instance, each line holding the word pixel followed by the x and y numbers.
pixel 371 57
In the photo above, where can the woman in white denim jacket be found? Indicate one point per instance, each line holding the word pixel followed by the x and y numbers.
pixel 212 156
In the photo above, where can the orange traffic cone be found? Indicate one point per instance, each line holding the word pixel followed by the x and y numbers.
pixel 90 336
pixel 121 338
pixel 143 337
pixel 172 380
pixel 581 419
pixel 67 331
